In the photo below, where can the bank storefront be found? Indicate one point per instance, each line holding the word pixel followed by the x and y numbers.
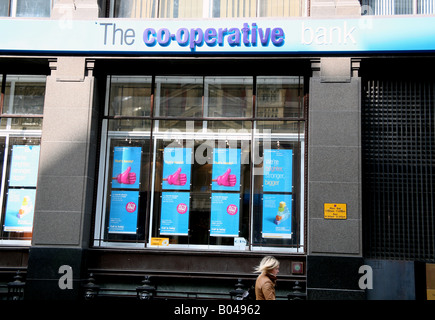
pixel 186 150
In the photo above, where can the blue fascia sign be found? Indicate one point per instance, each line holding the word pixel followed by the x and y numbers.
pixel 366 34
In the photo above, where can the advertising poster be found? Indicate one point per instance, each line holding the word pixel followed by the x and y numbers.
pixel 24 166
pixel 226 169
pixel 20 207
pixel 176 168
pixel 126 167
pixel 123 211
pixel 224 221
pixel 277 216
pixel 277 170
pixel 174 218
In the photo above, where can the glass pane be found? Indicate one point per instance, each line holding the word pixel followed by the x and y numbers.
pixel 229 126
pixel 211 181
pixel 228 96
pixel 24 95
pixel 277 187
pixel 279 97
pixel 33 8
pixel 403 7
pixel 234 9
pixel 280 8
pixel 26 123
pixel 179 97
pixel 284 127
pixel 181 9
pixel 130 125
pixel 20 189
pixel 130 96
pixel 177 126
pixel 389 7
pixel 4 8
pixel 425 7
pixel 135 8
pixel 127 189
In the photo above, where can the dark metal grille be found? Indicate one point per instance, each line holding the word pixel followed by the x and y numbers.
pixel 398 170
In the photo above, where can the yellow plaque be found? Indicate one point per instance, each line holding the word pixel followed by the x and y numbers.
pixel 335 211
pixel 430 294
pixel 160 242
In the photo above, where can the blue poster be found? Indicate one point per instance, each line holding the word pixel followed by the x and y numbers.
pixel 126 167
pixel 24 166
pixel 277 170
pixel 123 211
pixel 224 220
pixel 176 168
pixel 174 219
pixel 20 208
pixel 277 216
pixel 226 169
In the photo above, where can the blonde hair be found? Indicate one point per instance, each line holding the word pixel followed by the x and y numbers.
pixel 268 263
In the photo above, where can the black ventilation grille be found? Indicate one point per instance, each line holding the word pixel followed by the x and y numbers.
pixel 398 170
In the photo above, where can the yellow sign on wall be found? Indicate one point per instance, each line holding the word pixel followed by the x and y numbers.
pixel 160 242
pixel 430 281
pixel 335 211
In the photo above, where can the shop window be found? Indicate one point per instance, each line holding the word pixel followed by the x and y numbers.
pixel 397 7
pixel 193 174
pixel 204 8
pixel 25 8
pixel 135 8
pixel 21 105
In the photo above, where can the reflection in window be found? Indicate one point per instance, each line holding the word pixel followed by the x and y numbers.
pixel 229 96
pixel 279 97
pixel 4 8
pixel 179 97
pixel 186 197
pixel 24 95
pixel 135 8
pixel 130 96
